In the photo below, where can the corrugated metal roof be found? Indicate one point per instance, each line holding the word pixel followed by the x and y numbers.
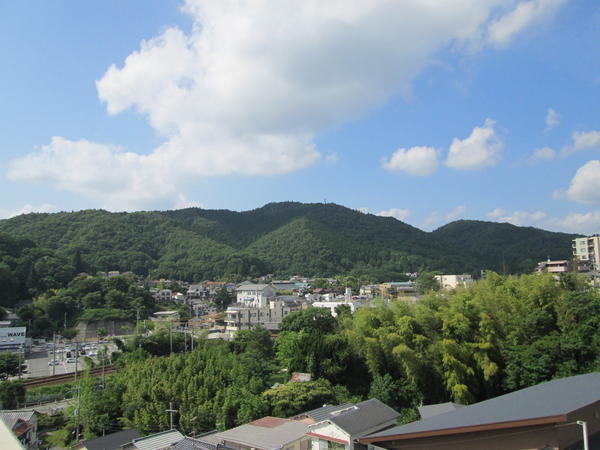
pixel 159 440
pixel 10 417
pixel 364 416
pixel 251 287
pixel 553 398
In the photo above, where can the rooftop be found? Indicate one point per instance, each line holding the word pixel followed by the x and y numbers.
pixel 545 403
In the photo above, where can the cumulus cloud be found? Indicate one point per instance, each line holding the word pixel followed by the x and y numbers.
pixel 582 140
pixel 248 89
pixel 552 119
pixel 585 185
pixel 480 149
pixel 542 154
pixel 26 209
pixel 586 223
pixel 435 219
pixel 397 213
pixel 419 161
pixel 505 28
pixel 521 218
pixel 498 212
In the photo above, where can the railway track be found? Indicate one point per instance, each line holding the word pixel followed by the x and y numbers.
pixel 65 377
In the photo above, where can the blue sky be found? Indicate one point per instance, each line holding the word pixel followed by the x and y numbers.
pixel 425 110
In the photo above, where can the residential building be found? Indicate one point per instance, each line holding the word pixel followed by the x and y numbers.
pixel 255 294
pixel 247 316
pixel 333 305
pixel 539 417
pixel 166 316
pixel 454 281
pixel 549 266
pixel 23 423
pixel 341 428
pixel 587 250
pixel 112 441
pixel 164 295
pixel 268 433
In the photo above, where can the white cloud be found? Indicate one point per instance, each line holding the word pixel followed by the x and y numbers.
pixel 397 213
pixel 26 209
pixel 363 210
pixel 584 140
pixel 552 119
pixel 435 219
pixel 182 202
pixel 522 218
pixel 498 212
pixel 504 29
pixel 586 223
pixel 542 154
pixel 455 213
pixel 480 149
pixel 585 185
pixel 248 89
pixel 419 161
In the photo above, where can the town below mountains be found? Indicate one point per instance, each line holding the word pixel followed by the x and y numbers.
pixel 294 326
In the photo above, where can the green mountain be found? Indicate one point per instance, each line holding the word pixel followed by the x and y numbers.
pixel 506 248
pixel 282 238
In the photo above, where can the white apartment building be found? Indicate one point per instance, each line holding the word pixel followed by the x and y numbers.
pixel 255 294
pixel 454 281
pixel 247 316
pixel 587 250
pixel 332 305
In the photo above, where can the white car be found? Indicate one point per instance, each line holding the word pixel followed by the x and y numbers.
pixel 71 360
pixel 53 363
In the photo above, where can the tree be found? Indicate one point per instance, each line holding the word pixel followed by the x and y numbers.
pixel 426 282
pixel 9 364
pixel 294 398
pixel 12 394
pixel 101 333
pixel 223 299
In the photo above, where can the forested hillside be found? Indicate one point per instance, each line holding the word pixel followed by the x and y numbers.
pixel 282 238
pixel 504 247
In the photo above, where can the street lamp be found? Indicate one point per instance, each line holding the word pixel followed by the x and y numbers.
pixel 583 424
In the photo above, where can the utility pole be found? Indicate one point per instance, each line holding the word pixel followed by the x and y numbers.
pixel 171 336
pixel 77 413
pixel 185 339
pixel 171 411
pixel 53 354
pixel 65 325
pixel 76 359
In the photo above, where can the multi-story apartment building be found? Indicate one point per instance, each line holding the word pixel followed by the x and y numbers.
pixel 587 251
pixel 454 281
pixel 247 316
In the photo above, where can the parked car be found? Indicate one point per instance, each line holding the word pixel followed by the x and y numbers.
pixel 53 363
pixel 92 353
pixel 71 360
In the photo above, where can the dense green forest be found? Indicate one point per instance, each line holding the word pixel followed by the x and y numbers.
pixel 282 238
pixel 500 335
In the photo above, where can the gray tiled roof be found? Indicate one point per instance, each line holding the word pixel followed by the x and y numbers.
pixel 553 398
pixel 111 441
pixel 364 416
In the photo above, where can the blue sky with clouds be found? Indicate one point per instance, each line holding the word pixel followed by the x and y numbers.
pixel 428 111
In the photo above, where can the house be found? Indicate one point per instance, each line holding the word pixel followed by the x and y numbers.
pixel 454 281
pixel 156 441
pixel 427 411
pixel 166 316
pixel 548 266
pixel 255 294
pixel 544 416
pixel 268 433
pixel 164 295
pixel 112 441
pixel 23 424
pixel 345 426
